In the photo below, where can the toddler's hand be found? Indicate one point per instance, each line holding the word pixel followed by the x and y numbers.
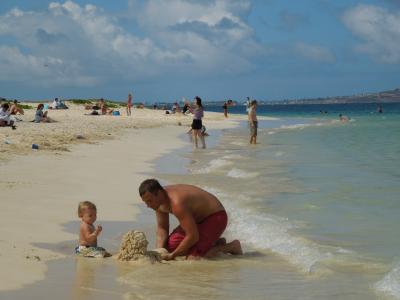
pixel 99 229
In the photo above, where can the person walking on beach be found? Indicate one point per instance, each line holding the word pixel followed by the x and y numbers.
pixel 129 105
pixel 198 114
pixel 202 220
pixel 253 123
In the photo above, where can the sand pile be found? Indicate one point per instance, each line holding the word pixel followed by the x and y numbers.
pixel 134 247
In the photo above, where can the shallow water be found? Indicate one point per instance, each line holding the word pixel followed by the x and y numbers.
pixel 320 194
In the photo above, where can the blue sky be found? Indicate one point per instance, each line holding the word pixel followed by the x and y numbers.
pixel 163 50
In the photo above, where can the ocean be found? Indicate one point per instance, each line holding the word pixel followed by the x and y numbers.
pixel 315 203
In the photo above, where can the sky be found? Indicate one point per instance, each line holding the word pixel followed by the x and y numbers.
pixel 163 50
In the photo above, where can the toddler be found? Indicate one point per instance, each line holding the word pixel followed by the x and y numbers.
pixel 88 233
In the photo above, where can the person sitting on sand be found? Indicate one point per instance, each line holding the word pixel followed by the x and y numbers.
pixel 176 108
pixel 16 109
pixel 202 220
pixel 58 104
pixel 41 116
pixel 103 108
pixel 88 234
pixel 5 116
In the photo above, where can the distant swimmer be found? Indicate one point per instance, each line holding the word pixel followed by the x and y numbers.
pixel 343 118
pixel 379 109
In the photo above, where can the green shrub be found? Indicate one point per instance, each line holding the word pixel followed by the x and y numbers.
pixel 112 104
pixel 26 106
pixel 81 101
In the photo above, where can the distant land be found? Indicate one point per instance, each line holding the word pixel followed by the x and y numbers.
pixel 390 96
pixel 379 97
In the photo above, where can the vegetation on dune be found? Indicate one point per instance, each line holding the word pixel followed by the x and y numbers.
pixel 109 103
pixel 26 106
pixel 80 101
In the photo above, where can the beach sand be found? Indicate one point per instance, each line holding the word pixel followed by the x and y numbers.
pixel 72 127
pixel 40 189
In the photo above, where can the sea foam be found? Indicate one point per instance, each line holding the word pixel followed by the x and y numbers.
pixel 237 173
pixel 265 231
pixel 390 284
pixel 213 165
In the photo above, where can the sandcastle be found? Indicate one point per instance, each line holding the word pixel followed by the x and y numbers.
pixel 134 247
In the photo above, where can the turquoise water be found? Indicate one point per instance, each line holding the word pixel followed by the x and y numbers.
pixel 321 194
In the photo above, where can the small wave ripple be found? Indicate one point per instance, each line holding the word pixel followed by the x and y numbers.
pixel 390 284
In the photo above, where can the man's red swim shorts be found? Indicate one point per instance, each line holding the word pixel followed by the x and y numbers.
pixel 210 230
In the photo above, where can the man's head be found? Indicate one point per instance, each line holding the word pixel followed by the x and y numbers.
pixel 151 193
pixel 254 103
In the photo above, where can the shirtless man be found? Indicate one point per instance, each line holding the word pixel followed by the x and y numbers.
pixel 202 220
pixel 15 108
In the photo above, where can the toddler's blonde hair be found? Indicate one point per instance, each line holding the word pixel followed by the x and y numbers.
pixel 84 206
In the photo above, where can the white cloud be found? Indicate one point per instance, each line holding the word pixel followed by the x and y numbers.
pixel 315 53
pixel 44 70
pixel 378 28
pixel 84 45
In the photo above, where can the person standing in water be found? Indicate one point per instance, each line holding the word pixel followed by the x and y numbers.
pixel 197 124
pixel 253 123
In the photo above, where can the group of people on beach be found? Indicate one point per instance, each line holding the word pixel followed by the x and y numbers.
pixel 8 113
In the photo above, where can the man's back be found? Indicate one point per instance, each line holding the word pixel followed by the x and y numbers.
pixel 198 201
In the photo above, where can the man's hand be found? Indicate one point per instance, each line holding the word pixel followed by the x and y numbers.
pixel 167 256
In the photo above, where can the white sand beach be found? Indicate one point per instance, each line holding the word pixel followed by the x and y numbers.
pixel 40 189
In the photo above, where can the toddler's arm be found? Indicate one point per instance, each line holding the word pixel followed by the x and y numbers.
pixel 89 235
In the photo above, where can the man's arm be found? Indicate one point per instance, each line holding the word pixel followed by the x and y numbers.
pixel 189 225
pixel 162 229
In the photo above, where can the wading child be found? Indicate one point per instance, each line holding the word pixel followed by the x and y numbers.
pixel 88 233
